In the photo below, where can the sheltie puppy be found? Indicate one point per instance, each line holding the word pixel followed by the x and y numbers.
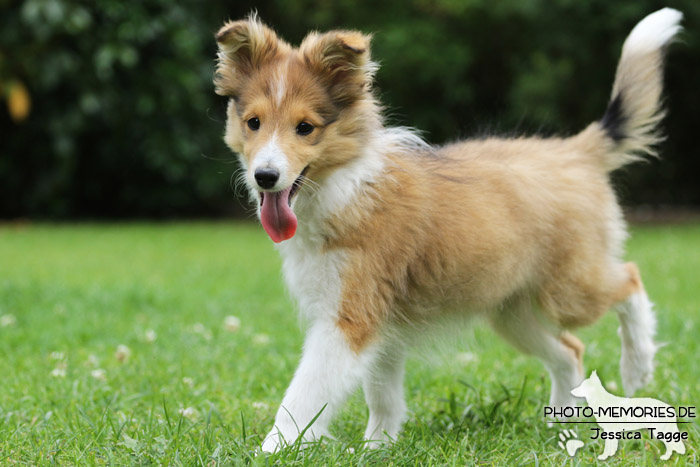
pixel 383 235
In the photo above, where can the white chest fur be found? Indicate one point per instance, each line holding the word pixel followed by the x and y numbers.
pixel 313 277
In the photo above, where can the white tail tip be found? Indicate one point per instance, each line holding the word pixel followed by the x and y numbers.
pixel 654 31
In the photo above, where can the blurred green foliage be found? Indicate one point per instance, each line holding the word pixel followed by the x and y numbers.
pixel 124 122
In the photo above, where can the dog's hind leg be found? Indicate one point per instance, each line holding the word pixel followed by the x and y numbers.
pixel 637 329
pixel 560 352
pixel 383 387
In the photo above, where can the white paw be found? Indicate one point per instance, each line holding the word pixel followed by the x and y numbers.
pixel 272 442
pixel 374 444
pixel 637 373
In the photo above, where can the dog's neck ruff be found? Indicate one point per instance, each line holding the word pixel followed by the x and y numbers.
pixel 314 206
pixel 306 263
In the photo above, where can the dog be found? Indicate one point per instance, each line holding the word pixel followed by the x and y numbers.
pixel 383 235
pixel 597 397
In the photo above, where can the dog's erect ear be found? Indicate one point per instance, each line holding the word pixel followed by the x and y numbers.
pixel 594 376
pixel 342 60
pixel 244 46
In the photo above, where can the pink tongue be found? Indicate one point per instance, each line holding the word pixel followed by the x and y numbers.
pixel 277 217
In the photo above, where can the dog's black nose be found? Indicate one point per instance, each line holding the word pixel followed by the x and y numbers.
pixel 266 177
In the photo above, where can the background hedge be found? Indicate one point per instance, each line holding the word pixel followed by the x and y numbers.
pixel 110 111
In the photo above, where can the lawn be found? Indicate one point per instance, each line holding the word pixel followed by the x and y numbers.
pixel 115 348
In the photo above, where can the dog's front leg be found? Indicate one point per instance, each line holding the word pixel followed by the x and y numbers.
pixel 329 371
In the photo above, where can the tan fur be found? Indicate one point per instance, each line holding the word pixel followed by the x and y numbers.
pixel 478 224
pixel 466 228
pixel 632 284
pixel 335 140
pixel 576 346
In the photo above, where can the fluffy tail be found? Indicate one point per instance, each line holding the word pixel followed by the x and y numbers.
pixel 632 117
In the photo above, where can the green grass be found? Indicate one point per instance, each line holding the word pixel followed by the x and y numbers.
pixel 77 292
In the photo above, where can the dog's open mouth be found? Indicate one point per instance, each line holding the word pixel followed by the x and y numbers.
pixel 294 189
pixel 276 213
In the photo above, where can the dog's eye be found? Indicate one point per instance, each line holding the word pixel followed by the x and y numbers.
pixel 304 128
pixel 254 123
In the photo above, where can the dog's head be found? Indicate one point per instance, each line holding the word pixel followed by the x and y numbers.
pixel 588 386
pixel 294 114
